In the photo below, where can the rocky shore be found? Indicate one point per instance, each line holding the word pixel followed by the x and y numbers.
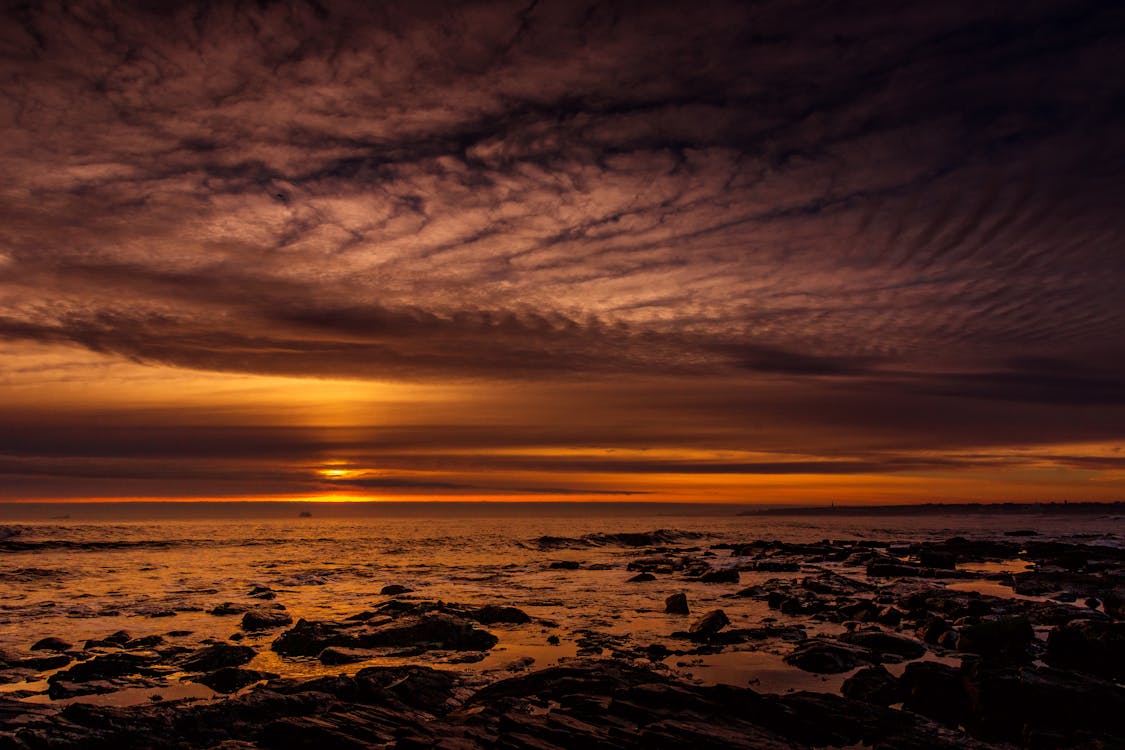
pixel 1000 642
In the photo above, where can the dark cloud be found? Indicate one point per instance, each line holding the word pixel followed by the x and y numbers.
pixel 884 226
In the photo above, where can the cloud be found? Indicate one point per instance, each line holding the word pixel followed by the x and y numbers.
pixel 724 214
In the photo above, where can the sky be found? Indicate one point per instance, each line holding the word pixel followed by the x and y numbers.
pixel 774 251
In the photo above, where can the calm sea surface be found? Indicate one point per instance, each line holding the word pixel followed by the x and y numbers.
pixel 86 577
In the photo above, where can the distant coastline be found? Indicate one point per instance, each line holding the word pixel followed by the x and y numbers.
pixel 930 509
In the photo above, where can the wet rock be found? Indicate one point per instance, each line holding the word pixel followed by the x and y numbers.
pixel 934 690
pixel 890 616
pixel 37 663
pixel 873 685
pixel 1093 646
pixel 108 666
pixel 114 640
pixel 565 565
pixel 264 619
pixel 430 630
pixel 491 614
pixel 1006 636
pixel 774 566
pixel 334 655
pixel 829 657
pixel 886 643
pixel 52 644
pixel 930 558
pixel 395 589
pixel 1046 583
pixel 642 578
pixel 708 625
pixel 262 592
pixel 676 604
pixel 228 608
pixel 833 584
pixel 144 642
pixel 217 656
pixel 1010 702
pixel 232 679
pixel 723 575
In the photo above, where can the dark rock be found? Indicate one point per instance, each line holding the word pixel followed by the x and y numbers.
pixel 107 666
pixel 217 656
pixel 828 657
pixel 642 578
pixel 890 616
pixel 264 619
pixel 874 685
pixel 884 642
pixel 677 604
pixel 934 690
pixel 1093 646
pixel 1006 636
pixel 1021 532
pixel 708 625
pixel 42 663
pixel 1009 702
pixel 52 644
pixel 491 614
pixel 229 608
pixel 565 565
pixel 723 575
pixel 394 589
pixel 930 558
pixel 430 630
pixel 775 566
pixel 231 679
pixel 147 641
pixel 334 655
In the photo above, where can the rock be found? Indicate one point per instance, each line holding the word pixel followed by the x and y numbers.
pixel 565 565
pixel 144 642
pixel 828 657
pixel 930 558
pixel 642 578
pixel 231 679
pixel 394 589
pixel 108 666
pixel 1005 636
pixel 1021 532
pixel 1011 702
pixel 229 608
pixel 775 566
pixel 934 690
pixel 1093 646
pixel 874 685
pixel 889 616
pixel 264 619
pixel 217 656
pixel 723 575
pixel 52 644
pixel 430 630
pixel 42 663
pixel 676 604
pixel 491 614
pixel 334 655
pixel 708 625
pixel 884 642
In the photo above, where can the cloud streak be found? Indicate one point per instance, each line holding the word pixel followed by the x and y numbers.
pixel 721 215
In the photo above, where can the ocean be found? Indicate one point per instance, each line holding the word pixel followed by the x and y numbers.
pixel 160 569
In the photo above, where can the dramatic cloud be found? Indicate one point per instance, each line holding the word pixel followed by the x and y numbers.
pixel 775 239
